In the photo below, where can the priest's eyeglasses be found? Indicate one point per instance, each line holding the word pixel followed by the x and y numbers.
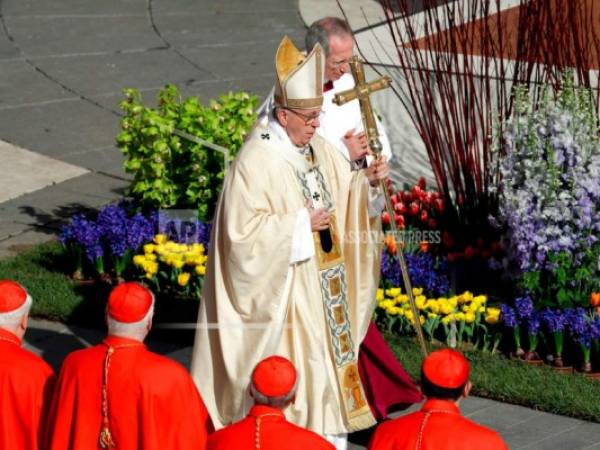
pixel 338 64
pixel 308 120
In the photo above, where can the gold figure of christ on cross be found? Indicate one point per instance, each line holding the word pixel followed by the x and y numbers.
pixel 362 90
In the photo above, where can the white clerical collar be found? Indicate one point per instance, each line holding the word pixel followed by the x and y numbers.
pixel 280 132
pixel 286 147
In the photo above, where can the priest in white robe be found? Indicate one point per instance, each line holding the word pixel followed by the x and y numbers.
pixel 293 260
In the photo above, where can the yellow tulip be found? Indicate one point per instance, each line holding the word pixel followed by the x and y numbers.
pixel 492 315
pixel 446 320
pixel 149 248
pixel 432 315
pixel 198 248
pixel 469 317
pixel 393 292
pixel 183 278
pixel 433 306
pixel 420 301
pixel 150 267
pixel 481 299
pixel 392 310
pixel 422 319
pixel 403 298
pixel 417 291
pixel 446 307
pixel 151 257
pixel 200 270
pixel 149 275
pixel 386 304
pixel 459 316
pixel 139 260
pixel 467 296
pixel 379 295
pixel 178 264
pixel 160 239
pixel 453 301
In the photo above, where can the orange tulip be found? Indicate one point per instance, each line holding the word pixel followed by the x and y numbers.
pixel 595 299
pixel 390 243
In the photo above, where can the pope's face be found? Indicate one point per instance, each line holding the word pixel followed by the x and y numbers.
pixel 340 51
pixel 300 124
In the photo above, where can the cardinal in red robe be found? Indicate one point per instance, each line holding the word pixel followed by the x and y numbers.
pixel 26 381
pixel 439 424
pixel 272 387
pixel 119 395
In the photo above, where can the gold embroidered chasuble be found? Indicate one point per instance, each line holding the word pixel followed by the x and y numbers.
pixel 314 312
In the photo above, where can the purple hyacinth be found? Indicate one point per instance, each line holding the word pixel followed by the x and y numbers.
pixel 139 231
pixel 585 336
pixel 595 329
pixel 533 323
pixel 524 306
pixel 88 235
pixel 554 320
pixel 66 234
pixel 575 320
pixel 424 269
pixel 112 221
pixel 509 316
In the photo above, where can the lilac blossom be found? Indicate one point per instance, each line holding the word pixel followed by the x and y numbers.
pixel 550 194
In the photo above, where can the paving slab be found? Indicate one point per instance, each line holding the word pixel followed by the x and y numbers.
pixel 58 203
pixel 23 171
pixel 207 28
pixel 105 160
pixel 71 7
pixel 34 87
pixel 101 74
pixel 177 7
pixel 58 128
pixel 43 35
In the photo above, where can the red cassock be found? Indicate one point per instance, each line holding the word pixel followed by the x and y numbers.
pixel 439 425
pixel 266 428
pixel 151 401
pixel 26 383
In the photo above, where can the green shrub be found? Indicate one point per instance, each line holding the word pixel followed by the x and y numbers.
pixel 174 172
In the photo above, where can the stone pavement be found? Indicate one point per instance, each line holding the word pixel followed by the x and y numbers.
pixel 522 428
pixel 63 65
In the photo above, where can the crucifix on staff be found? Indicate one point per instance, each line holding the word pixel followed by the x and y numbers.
pixel 362 91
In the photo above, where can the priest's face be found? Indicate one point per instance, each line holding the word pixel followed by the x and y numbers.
pixel 340 52
pixel 299 124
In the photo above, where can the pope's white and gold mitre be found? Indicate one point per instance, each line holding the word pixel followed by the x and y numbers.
pixel 299 77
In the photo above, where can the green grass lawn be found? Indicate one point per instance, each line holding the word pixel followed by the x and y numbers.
pixel 499 378
pixel 43 271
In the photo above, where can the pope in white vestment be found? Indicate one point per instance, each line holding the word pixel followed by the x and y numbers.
pixel 274 285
